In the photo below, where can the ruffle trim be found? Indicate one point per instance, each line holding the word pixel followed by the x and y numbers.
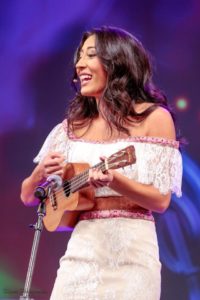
pixel 140 139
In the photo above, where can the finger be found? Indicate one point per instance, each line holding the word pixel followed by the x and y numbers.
pixel 93 174
pixel 96 184
pixel 93 177
pixel 53 169
pixel 102 158
pixel 53 162
pixel 53 158
pixel 56 155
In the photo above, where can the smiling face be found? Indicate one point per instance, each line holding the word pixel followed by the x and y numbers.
pixel 90 70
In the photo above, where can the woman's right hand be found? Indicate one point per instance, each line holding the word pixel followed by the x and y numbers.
pixel 53 163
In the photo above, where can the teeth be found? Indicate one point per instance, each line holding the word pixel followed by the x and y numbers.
pixel 85 77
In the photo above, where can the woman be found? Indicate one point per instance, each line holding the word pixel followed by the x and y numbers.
pixel 113 251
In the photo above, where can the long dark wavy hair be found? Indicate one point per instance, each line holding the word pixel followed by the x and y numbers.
pixel 129 81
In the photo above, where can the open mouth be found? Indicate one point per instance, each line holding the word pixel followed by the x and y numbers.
pixel 85 78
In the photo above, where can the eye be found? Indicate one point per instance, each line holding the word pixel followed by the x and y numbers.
pixel 91 55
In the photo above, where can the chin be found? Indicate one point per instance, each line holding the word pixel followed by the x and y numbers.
pixel 87 93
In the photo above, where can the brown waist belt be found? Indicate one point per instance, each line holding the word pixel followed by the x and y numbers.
pixel 116 202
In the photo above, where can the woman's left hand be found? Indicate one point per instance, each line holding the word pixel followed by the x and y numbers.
pixel 97 178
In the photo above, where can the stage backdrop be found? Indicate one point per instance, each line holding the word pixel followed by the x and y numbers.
pixel 37 42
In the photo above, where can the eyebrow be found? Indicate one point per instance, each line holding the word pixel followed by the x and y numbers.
pixel 90 47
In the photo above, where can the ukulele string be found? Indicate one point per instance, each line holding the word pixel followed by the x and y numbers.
pixel 78 181
pixel 81 179
pixel 75 183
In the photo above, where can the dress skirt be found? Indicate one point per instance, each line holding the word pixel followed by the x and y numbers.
pixel 110 259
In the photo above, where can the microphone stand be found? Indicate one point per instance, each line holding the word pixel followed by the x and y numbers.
pixel 38 227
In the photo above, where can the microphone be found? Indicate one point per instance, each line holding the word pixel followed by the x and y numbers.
pixel 53 182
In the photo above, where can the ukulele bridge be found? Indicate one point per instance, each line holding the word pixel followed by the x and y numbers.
pixel 52 199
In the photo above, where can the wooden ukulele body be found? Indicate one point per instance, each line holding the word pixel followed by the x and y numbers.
pixel 64 216
pixel 63 205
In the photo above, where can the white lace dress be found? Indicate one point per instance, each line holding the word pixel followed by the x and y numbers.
pixel 115 258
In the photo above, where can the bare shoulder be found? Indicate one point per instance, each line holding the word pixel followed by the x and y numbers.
pixel 161 124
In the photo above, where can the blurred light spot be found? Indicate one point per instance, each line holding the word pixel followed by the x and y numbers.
pixel 182 104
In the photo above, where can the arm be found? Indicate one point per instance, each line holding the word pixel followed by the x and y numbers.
pixel 146 196
pixel 51 164
pixel 160 124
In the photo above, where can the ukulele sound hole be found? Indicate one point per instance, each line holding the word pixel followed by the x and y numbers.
pixel 67 188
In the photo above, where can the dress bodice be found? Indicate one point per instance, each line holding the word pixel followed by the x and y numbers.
pixel 158 160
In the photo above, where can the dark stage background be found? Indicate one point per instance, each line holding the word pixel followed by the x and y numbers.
pixel 37 42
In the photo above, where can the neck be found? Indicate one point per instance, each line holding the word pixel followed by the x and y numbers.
pixel 100 107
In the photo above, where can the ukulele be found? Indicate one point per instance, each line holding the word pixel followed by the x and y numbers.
pixel 63 205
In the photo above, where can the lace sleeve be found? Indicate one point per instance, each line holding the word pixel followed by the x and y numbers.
pixel 161 166
pixel 55 141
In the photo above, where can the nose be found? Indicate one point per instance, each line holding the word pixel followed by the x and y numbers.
pixel 81 63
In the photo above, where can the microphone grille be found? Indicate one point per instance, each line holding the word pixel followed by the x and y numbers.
pixel 56 179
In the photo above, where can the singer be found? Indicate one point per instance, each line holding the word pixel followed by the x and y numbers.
pixel 113 251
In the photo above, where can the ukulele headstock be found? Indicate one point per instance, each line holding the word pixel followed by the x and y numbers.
pixel 122 158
